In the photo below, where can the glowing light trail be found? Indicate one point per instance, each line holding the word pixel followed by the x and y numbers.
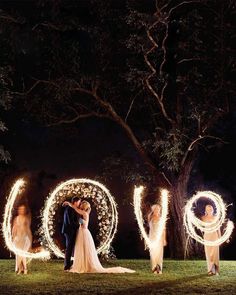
pixel 7 227
pixel 52 202
pixel 191 222
pixel 137 200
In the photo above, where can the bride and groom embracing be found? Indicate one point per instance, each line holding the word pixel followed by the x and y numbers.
pixel 80 241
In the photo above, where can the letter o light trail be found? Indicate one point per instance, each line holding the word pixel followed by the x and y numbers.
pixel 191 222
pixel 48 213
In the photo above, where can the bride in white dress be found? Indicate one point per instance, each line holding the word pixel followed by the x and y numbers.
pixel 156 252
pixel 85 254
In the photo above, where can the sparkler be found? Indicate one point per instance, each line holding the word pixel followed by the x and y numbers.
pixel 6 227
pixel 191 222
pixel 52 202
pixel 138 191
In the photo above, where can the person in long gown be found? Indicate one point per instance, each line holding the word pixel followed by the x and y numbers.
pixel 157 251
pixel 212 252
pixel 85 254
pixel 22 237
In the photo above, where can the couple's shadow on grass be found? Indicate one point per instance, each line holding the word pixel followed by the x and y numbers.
pixel 159 286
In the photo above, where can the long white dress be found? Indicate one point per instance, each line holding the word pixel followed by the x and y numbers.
pixel 22 240
pixel 156 253
pixel 85 254
pixel 212 252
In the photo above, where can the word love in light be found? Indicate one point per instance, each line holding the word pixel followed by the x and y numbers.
pixel 191 222
pixel 137 200
pixel 6 227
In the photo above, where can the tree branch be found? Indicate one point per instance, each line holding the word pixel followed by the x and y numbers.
pixel 166 178
pixel 163 47
pixel 153 72
pixel 184 60
pixel 29 90
pixel 196 141
pixel 76 118
pixel 204 137
pixel 109 113
pixel 214 119
pixel 184 3
pixel 131 105
pixel 48 25
pixel 11 19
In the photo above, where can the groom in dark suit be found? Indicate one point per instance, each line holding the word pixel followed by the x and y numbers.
pixel 69 229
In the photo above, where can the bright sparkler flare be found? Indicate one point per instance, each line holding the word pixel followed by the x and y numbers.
pixel 191 222
pixel 7 228
pixel 48 212
pixel 137 200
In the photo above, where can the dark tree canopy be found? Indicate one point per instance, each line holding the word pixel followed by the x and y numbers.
pixel 172 63
pixel 5 104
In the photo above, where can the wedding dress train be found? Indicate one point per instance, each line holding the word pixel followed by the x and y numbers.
pixel 85 254
pixel 156 253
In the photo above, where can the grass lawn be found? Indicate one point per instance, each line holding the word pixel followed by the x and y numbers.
pixel 179 277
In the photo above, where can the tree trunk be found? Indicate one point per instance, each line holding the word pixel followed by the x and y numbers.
pixel 177 236
pixel 176 232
